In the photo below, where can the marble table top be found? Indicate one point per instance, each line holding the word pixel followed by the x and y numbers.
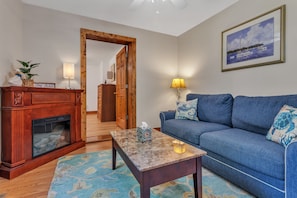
pixel 155 153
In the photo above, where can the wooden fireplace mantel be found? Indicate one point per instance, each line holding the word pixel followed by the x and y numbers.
pixel 21 105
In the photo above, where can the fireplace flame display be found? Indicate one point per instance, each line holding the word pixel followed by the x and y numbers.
pixel 50 134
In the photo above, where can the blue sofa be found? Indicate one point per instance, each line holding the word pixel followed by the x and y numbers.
pixel 233 132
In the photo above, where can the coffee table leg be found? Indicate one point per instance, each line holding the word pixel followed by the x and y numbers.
pixel 197 178
pixel 114 156
pixel 144 191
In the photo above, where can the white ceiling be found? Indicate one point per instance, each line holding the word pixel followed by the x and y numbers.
pixel 170 20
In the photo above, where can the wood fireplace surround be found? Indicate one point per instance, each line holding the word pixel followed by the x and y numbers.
pixel 21 105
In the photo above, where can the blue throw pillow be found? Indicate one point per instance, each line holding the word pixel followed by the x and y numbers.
pixel 284 127
pixel 187 110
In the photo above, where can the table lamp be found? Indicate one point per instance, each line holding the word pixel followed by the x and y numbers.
pixel 178 83
pixel 68 72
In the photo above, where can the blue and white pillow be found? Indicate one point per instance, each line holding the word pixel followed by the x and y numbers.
pixel 187 110
pixel 284 127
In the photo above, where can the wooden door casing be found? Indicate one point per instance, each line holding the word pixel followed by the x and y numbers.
pixel 131 68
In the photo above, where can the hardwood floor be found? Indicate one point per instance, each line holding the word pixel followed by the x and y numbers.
pixel 98 131
pixel 35 183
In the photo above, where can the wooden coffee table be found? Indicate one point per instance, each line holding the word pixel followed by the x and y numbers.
pixel 155 162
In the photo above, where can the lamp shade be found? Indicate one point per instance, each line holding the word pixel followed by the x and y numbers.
pixel 178 83
pixel 68 70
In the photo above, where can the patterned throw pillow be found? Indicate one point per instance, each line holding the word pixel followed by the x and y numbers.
pixel 284 127
pixel 187 110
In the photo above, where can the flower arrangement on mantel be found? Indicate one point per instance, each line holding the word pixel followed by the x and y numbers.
pixel 26 71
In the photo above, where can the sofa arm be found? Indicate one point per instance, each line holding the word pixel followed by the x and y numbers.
pixel 291 167
pixel 166 115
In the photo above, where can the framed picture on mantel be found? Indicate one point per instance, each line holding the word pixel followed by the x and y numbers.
pixel 44 85
pixel 257 42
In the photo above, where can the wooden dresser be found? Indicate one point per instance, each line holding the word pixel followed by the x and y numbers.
pixel 106 103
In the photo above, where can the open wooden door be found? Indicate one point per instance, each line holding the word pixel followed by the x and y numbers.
pixel 121 89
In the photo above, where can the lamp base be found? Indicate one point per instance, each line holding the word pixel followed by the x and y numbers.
pixel 178 94
pixel 68 84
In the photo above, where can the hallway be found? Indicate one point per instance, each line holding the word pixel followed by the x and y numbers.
pixel 98 131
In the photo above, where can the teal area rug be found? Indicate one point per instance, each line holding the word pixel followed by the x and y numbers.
pixel 90 175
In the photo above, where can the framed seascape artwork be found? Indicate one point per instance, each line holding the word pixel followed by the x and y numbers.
pixel 257 42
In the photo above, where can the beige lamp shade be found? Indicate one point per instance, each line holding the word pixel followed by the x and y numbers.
pixel 178 83
pixel 68 70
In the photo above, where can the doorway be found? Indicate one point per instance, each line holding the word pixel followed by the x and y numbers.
pixel 131 72
pixel 101 90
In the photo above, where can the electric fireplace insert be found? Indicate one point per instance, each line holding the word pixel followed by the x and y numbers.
pixel 50 134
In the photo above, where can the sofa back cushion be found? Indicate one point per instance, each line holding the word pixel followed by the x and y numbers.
pixel 257 114
pixel 215 108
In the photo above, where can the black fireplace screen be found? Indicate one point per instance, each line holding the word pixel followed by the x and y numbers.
pixel 50 134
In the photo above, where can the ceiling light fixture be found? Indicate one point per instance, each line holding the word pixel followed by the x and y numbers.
pixel 180 4
pixel 154 1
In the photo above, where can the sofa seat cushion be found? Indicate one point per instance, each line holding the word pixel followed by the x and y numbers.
pixel 190 130
pixel 248 149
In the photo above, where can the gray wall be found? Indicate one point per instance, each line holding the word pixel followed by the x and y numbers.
pixel 10 39
pixel 11 33
pixel 200 54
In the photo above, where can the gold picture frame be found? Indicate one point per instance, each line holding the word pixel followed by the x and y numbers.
pixel 256 42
